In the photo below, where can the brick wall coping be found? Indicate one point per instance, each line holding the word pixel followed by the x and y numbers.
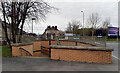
pixel 93 48
pixel 21 44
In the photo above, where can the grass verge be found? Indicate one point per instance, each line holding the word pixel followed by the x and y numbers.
pixel 113 39
pixel 5 51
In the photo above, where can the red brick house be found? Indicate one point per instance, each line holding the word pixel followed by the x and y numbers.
pixel 51 32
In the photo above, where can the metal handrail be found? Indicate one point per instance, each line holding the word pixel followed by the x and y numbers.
pixel 26 51
pixel 36 51
pixel 44 47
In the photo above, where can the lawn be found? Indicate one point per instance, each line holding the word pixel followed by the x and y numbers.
pixel 113 39
pixel 5 51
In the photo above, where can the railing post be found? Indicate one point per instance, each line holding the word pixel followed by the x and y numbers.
pixel 50 52
pixel 76 43
pixel 105 40
pixel 49 41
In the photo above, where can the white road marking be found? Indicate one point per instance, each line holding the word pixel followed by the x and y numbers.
pixel 115 57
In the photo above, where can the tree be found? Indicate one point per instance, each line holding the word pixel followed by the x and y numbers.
pixel 73 26
pixel 93 20
pixel 16 14
pixel 106 23
pixel 69 28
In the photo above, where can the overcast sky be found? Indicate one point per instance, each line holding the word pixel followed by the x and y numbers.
pixel 72 11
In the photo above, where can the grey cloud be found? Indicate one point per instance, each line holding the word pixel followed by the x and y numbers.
pixel 71 10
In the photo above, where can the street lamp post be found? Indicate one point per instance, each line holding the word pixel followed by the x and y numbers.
pixel 32 24
pixel 83 23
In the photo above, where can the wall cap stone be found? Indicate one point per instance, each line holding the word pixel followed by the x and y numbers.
pixel 21 44
pixel 92 48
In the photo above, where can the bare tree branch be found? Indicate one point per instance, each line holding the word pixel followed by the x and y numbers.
pixel 73 26
pixel 16 14
pixel 94 20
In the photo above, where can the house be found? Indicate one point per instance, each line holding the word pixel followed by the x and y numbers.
pixel 51 32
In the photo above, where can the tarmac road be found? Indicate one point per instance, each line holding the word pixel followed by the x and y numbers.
pixel 115 46
pixel 116 52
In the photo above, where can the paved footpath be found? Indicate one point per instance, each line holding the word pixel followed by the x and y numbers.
pixel 45 64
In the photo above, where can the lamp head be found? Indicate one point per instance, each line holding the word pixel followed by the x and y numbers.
pixel 81 11
pixel 33 18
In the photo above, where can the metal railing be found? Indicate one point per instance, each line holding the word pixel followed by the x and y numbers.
pixel 98 41
pixel 28 38
pixel 27 52
pixel 94 40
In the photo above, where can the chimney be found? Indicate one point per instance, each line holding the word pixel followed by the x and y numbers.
pixel 48 27
pixel 55 27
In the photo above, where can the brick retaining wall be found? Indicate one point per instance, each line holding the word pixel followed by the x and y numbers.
pixel 16 51
pixel 37 45
pixel 45 43
pixel 81 55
